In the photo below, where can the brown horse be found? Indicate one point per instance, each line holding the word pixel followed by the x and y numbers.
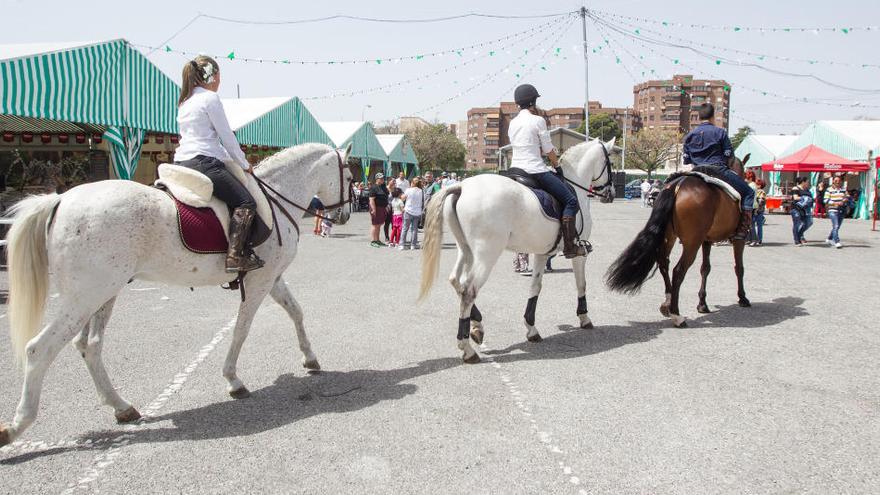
pixel 696 212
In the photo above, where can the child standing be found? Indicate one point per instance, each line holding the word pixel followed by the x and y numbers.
pixel 397 206
pixel 326 227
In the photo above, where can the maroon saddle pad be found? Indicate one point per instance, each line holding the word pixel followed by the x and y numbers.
pixel 200 230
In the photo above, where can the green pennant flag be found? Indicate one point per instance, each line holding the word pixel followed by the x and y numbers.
pixel 717 62
pixel 492 53
pixel 675 61
pixel 845 30
pixel 231 55
pixel 167 48
pixel 419 57
pixel 379 61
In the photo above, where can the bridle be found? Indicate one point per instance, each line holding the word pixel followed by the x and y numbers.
pixel 274 200
pixel 606 171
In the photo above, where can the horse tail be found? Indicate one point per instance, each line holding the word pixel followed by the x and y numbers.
pixel 28 268
pixel 434 235
pixel 635 264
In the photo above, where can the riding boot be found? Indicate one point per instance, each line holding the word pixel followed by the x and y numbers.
pixel 239 230
pixel 744 227
pixel 569 237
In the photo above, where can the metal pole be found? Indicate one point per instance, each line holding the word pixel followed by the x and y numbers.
pixel 238 90
pixel 623 154
pixel 586 75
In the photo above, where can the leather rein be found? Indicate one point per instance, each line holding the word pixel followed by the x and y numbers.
pixel 276 198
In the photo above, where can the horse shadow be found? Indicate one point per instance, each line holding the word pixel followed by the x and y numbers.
pixel 293 398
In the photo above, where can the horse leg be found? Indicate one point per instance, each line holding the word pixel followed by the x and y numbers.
pixel 473 276
pixel 663 266
pixel 281 294
pixel 477 332
pixel 579 264
pixel 532 334
pixel 39 354
pixel 688 255
pixel 89 343
pixel 258 285
pixel 476 318
pixel 705 268
pixel 738 247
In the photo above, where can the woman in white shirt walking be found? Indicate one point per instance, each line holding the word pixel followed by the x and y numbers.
pixel 415 203
pixel 206 141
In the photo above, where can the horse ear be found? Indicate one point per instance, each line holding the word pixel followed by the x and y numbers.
pixel 610 144
pixel 746 159
pixel 347 152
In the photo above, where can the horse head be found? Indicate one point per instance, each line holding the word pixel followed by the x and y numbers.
pixel 335 183
pixel 588 165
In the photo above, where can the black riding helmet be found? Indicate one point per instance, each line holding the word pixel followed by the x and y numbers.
pixel 525 95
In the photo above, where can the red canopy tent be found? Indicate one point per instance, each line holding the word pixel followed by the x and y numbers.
pixel 814 159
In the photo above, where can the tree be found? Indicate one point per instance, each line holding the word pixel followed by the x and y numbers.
pixel 740 135
pixel 602 126
pixel 437 148
pixel 651 149
pixel 387 127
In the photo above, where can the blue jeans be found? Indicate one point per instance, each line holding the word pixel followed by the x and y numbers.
pixel 551 183
pixel 836 220
pixel 758 228
pixel 800 222
pixel 742 187
pixel 410 225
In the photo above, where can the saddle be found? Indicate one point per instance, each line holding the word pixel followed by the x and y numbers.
pixel 710 177
pixel 549 205
pixel 202 219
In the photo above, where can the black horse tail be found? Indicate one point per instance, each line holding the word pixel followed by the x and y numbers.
pixel 636 263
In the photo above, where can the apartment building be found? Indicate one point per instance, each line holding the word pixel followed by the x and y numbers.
pixel 672 103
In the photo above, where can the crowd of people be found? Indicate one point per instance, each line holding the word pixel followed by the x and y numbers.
pixel 397 206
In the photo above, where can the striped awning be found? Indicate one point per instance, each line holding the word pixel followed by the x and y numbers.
pixel 281 122
pixel 360 135
pixel 105 84
pixel 398 148
pixel 12 123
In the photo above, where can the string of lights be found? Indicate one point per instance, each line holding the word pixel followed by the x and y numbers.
pixel 491 76
pixel 424 77
pixel 718 60
pixel 737 29
pixel 757 91
pixel 757 55
pixel 457 51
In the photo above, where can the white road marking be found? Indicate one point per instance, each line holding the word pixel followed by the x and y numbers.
pixel 144 289
pixel 545 436
pixel 106 458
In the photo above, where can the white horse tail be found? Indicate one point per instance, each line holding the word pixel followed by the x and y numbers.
pixel 28 268
pixel 434 235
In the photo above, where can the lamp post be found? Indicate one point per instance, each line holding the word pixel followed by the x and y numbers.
pixel 363 111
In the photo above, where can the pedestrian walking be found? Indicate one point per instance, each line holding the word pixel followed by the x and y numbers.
pixel 836 202
pixel 414 202
pixel 378 202
pixel 388 215
pixel 645 187
pixel 317 207
pixel 396 218
pixel 757 235
pixel 801 210
pixel 521 263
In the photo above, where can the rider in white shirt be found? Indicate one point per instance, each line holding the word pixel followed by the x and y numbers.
pixel 530 141
pixel 206 141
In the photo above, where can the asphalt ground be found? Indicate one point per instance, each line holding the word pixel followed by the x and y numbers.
pixel 778 398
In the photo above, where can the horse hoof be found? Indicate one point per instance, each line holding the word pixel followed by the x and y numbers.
pixel 311 364
pixel 586 323
pixel 4 437
pixel 703 309
pixel 664 310
pixel 586 326
pixel 473 359
pixel 477 336
pixel 130 415
pixel 241 393
pixel 534 338
pixel 678 321
pixel 744 303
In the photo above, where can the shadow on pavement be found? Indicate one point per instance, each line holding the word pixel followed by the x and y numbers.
pixel 293 398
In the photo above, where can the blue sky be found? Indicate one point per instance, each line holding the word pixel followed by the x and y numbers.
pixel 476 78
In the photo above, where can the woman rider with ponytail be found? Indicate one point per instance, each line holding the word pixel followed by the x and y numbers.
pixel 206 141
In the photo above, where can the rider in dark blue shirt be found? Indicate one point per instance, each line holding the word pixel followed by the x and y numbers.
pixel 708 145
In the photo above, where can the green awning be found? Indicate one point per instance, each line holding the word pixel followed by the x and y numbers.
pixel 106 83
pixel 360 135
pixel 281 122
pixel 398 149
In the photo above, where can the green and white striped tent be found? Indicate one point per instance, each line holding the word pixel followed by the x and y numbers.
pixel 105 84
pixel 399 150
pixel 280 122
pixel 764 148
pixel 365 146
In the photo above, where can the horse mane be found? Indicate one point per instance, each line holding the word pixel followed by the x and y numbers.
pixel 292 155
pixel 572 156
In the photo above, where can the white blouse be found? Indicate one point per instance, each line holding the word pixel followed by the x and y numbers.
pixel 204 130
